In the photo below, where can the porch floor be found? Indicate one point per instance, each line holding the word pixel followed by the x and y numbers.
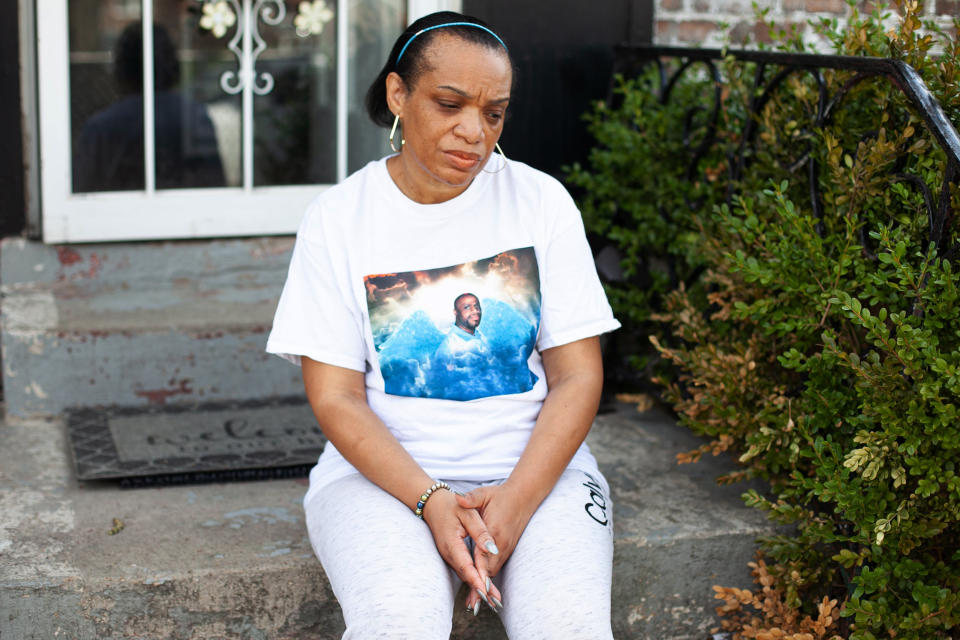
pixel 233 560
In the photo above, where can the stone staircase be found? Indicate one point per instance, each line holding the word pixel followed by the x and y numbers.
pixel 140 323
pixel 143 324
pixel 233 561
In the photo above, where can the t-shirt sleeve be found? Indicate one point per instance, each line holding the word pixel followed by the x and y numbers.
pixel 574 305
pixel 316 315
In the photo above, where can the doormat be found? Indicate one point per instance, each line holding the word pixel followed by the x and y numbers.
pixel 185 444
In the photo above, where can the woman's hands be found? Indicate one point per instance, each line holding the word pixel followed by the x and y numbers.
pixel 506 513
pixel 338 398
pixel 574 374
pixel 450 522
pixel 496 515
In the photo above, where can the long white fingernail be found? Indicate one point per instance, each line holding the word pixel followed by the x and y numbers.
pixel 483 595
pixel 476 609
pixel 488 583
pixel 496 602
pixel 492 547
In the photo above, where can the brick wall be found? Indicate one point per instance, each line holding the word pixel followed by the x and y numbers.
pixel 700 22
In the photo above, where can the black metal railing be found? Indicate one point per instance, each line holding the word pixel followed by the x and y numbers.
pixel 772 68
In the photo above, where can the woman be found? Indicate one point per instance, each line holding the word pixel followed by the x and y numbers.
pixel 444 308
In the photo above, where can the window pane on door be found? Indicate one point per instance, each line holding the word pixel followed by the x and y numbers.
pixel 106 99
pixel 107 115
pixel 197 125
pixel 244 92
pixel 295 122
pixel 374 25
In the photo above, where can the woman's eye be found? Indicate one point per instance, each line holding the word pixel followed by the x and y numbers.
pixel 448 105
pixel 496 115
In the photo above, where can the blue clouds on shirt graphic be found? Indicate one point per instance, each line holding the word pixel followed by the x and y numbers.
pixel 427 349
pixel 420 360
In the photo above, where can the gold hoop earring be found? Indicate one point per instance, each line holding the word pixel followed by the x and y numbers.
pixel 503 164
pixel 393 131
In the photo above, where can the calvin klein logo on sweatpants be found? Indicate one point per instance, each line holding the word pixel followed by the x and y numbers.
pixel 597 507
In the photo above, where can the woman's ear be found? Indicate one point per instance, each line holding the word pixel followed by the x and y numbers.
pixel 396 93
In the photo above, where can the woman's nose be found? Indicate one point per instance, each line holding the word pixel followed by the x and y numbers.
pixel 470 127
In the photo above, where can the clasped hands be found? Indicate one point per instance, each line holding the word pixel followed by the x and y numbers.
pixel 494 517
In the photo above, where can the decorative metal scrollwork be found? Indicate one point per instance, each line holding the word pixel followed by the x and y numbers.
pixel 234 82
pixel 219 16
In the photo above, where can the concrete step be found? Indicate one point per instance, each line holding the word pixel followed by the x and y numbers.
pixel 133 324
pixel 233 560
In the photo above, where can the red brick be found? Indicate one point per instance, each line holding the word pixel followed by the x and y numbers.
pixel 761 30
pixel 741 33
pixel 701 6
pixel 948 8
pixel 827 6
pixel 695 31
pixel 869 6
pixel 670 5
pixel 666 31
pixel 794 5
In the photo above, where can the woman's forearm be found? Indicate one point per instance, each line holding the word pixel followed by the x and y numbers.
pixel 575 379
pixel 339 402
pixel 338 399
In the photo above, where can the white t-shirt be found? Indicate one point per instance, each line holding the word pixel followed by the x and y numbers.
pixel 372 284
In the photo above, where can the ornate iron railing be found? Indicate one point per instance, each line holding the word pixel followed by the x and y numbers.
pixel 772 68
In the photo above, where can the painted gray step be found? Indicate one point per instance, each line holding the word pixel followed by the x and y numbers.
pixel 233 560
pixel 132 324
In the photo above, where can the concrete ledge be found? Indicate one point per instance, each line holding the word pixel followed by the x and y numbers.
pixel 233 560
pixel 140 323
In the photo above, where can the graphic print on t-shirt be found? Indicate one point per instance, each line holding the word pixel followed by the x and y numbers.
pixel 461 332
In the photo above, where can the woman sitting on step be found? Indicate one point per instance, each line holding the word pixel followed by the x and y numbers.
pixel 445 310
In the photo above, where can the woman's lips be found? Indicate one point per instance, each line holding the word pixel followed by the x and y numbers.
pixel 462 160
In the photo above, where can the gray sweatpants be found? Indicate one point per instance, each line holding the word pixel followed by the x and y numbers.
pixel 392 583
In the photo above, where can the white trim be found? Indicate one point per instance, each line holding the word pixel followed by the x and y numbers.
pixel 178 213
pixel 54 99
pixel 149 128
pixel 247 80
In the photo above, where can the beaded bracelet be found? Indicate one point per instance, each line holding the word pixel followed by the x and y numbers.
pixel 426 496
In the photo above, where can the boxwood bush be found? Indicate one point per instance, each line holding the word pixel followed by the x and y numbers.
pixel 823 349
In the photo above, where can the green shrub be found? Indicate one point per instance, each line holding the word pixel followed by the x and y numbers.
pixel 824 350
pixel 636 197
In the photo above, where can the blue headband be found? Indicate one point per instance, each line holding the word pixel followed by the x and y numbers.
pixel 448 24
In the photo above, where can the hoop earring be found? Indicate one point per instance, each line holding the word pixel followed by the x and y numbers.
pixel 503 163
pixel 396 121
